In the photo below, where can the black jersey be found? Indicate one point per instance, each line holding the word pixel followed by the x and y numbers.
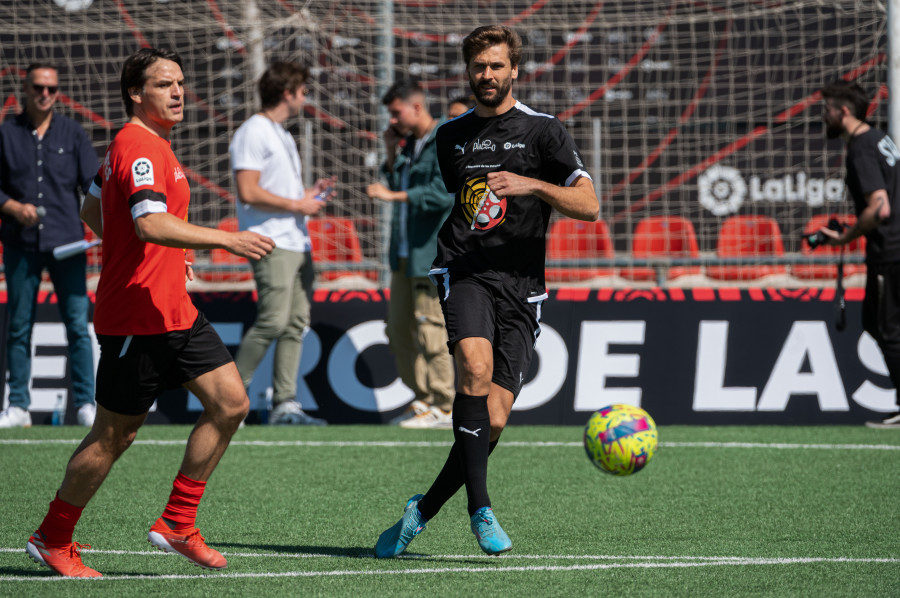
pixel 499 236
pixel 872 164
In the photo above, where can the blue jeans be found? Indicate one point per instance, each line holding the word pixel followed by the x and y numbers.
pixel 23 277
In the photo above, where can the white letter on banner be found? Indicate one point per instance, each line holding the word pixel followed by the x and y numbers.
pixel 824 379
pixel 596 364
pixel 342 371
pixel 553 362
pixel 709 392
pixel 869 395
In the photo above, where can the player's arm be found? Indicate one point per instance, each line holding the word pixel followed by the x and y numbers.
pixel 577 201
pixel 877 211
pixel 91 213
pixel 166 229
pixel 92 208
pixel 249 192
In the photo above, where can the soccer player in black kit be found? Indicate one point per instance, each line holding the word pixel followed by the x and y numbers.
pixel 873 180
pixel 507 167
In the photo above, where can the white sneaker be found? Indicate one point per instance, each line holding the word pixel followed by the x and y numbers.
pixel 86 414
pixel 433 419
pixel 15 417
pixel 415 409
pixel 289 413
pixel 890 422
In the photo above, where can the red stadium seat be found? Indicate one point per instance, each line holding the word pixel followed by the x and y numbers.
pixel 823 271
pixel 748 238
pixel 572 240
pixel 231 268
pixel 663 236
pixel 336 241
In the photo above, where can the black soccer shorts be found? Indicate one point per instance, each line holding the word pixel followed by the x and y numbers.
pixel 477 306
pixel 134 370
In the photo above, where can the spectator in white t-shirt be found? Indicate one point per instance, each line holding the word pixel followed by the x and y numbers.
pixel 272 201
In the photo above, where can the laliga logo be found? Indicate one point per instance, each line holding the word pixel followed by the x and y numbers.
pixel 722 189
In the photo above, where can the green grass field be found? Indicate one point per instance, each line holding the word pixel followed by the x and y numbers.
pixel 729 511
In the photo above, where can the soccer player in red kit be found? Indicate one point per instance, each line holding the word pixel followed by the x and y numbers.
pixel 151 336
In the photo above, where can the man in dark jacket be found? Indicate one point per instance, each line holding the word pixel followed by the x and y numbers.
pixel 415 325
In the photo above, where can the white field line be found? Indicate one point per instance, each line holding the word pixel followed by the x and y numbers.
pixel 438 444
pixel 642 562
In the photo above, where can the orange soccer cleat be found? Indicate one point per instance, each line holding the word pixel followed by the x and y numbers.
pixel 65 560
pixel 190 544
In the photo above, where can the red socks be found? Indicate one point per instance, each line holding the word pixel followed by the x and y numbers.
pixel 181 509
pixel 59 523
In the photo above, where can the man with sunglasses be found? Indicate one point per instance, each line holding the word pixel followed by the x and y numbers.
pixel 47 163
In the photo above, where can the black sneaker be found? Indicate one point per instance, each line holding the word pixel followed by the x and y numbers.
pixel 891 421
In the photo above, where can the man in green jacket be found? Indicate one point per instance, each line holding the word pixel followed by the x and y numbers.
pixel 415 324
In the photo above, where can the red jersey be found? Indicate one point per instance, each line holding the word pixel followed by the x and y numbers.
pixel 142 285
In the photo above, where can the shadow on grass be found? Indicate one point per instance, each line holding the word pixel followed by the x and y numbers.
pixel 334 551
pixel 350 553
pixel 23 572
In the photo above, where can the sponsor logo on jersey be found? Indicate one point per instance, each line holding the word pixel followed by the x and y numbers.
pixel 509 145
pixel 142 172
pixel 107 168
pixel 482 208
pixel 461 148
pixel 179 174
pixel 487 144
pixel 578 159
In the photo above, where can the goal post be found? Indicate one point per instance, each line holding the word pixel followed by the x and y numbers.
pixel 700 110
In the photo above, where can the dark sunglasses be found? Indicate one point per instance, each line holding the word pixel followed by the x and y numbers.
pixel 40 88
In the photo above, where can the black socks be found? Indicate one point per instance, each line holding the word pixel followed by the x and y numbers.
pixel 467 462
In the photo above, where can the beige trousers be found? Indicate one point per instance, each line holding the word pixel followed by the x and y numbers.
pixel 418 339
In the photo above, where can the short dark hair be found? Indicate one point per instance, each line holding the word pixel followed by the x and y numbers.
pixel 468 101
pixel 849 94
pixel 404 89
pixel 492 35
pixel 278 78
pixel 36 66
pixel 134 71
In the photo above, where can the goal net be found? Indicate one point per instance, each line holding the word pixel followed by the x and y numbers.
pixel 701 111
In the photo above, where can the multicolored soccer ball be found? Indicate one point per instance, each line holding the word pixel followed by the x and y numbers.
pixel 620 439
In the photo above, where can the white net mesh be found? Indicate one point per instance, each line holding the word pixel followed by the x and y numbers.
pixel 700 110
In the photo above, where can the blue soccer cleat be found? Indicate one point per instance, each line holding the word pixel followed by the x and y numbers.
pixel 491 537
pixel 395 539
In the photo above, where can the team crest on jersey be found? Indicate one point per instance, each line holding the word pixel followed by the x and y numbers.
pixel 142 172
pixel 482 208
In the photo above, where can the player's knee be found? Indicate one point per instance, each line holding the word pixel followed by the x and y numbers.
pixel 498 423
pixel 237 408
pixel 472 372
pixel 116 441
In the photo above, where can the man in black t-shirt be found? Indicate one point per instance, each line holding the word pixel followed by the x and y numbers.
pixel 873 180
pixel 507 166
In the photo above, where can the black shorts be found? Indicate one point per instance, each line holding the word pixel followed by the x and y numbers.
pixel 134 370
pixel 475 306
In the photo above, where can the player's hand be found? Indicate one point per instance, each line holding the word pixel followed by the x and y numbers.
pixel 379 191
pixel 507 184
pixel 832 236
pixel 250 245
pixel 188 271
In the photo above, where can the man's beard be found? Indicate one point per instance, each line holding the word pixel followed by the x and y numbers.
pixel 833 130
pixel 501 92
